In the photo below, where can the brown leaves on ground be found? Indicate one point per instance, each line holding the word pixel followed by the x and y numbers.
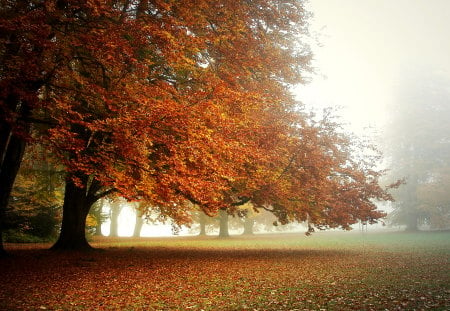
pixel 287 273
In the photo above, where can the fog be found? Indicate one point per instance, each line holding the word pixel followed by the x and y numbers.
pixel 127 220
pixel 365 49
pixel 385 66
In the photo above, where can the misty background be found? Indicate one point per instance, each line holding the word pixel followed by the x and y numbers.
pixel 365 52
pixel 385 66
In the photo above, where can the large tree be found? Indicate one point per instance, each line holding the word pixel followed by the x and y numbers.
pixel 173 126
pixel 177 102
pixel 417 143
pixel 25 66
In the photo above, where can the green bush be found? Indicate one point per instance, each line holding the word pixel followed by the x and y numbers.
pixel 43 225
pixel 15 236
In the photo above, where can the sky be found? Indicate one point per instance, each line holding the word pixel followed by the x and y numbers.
pixel 363 49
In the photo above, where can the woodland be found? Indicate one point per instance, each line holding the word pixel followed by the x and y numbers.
pixel 185 111
pixel 176 106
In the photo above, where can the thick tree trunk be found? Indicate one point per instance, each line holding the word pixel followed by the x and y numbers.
pixel 223 233
pixel 75 210
pixel 13 148
pixel 138 225
pixel 248 226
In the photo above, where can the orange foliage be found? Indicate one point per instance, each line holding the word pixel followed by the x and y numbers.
pixel 189 100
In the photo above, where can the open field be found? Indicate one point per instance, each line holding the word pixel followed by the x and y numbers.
pixel 327 271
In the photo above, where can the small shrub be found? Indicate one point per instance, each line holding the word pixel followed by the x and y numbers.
pixel 15 236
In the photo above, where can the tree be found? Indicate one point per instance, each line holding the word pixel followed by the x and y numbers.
pixel 248 226
pixel 417 144
pixel 202 223
pixel 115 207
pixel 139 222
pixel 223 224
pixel 25 68
pixel 252 218
pixel 206 118
pixel 99 216
pixel 37 194
pixel 205 223
pixel 182 104
pixel 434 199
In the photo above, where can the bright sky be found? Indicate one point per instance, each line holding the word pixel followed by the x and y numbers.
pixel 366 48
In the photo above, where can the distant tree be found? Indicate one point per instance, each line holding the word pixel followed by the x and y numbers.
pixel 115 207
pixel 248 225
pixel 252 219
pixel 223 224
pixel 417 144
pixel 99 215
pixel 139 222
pixel 202 223
pixel 434 199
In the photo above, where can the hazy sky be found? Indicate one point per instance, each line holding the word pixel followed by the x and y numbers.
pixel 367 46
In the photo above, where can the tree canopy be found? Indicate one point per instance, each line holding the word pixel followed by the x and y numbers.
pixel 176 102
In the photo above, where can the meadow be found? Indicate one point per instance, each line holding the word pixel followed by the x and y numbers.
pixel 326 271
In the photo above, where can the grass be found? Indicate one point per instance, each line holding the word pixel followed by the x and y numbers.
pixel 327 271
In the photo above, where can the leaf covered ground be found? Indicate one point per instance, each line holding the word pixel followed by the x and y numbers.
pixel 343 271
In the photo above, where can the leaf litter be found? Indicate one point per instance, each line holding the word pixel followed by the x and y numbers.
pixel 208 274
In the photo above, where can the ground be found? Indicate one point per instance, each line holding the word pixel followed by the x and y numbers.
pixel 327 271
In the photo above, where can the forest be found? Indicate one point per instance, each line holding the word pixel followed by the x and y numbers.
pixel 173 106
pixel 184 111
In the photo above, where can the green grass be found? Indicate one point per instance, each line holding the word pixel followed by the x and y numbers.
pixel 342 241
pixel 327 271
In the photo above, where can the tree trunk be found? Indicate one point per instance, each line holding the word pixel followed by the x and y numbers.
pixel 116 208
pixel 139 223
pixel 75 210
pixel 223 233
pixel 98 229
pixel 412 217
pixel 202 222
pixel 14 127
pixel 248 226
pixel 411 221
pixel 98 226
pixel 13 148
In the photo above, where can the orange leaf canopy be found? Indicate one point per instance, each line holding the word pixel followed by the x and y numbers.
pixel 173 101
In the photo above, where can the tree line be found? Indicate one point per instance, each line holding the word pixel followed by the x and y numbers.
pixel 175 104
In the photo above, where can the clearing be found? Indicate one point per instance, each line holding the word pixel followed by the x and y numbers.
pixel 327 271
